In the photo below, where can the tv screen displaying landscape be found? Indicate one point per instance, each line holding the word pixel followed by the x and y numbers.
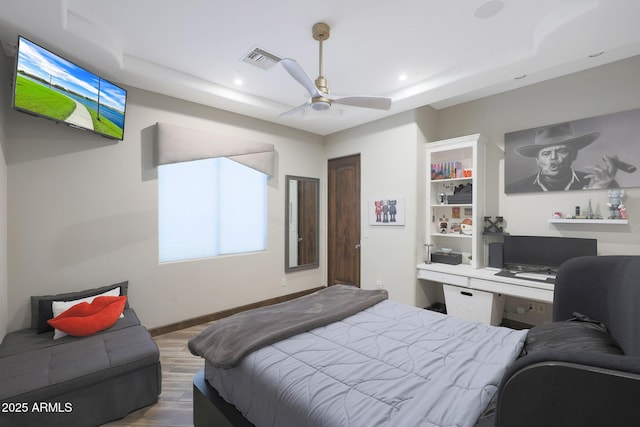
pixel 49 86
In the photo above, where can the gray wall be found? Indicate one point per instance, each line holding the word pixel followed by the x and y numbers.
pixel 603 90
pixel 4 94
pixel 82 212
pixel 397 144
pixel 392 158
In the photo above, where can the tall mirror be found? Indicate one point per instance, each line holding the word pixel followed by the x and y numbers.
pixel 301 223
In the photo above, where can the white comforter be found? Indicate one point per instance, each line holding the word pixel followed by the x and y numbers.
pixel 389 365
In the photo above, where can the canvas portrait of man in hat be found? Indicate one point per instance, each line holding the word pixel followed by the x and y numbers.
pixel 544 159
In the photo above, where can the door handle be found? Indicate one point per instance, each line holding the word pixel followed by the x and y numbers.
pixel 357 247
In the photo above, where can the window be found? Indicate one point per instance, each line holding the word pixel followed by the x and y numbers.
pixel 210 207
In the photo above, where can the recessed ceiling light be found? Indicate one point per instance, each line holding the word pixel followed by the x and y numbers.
pixel 402 77
pixel 595 55
pixel 489 9
pixel 237 81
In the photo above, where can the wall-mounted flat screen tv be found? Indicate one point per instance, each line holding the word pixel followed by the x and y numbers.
pixel 49 86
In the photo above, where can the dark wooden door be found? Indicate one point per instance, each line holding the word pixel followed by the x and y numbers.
pixel 307 222
pixel 343 222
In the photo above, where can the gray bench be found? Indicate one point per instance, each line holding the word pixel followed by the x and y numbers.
pixel 83 381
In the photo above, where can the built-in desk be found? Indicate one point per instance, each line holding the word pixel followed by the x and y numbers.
pixel 486 280
pixel 477 293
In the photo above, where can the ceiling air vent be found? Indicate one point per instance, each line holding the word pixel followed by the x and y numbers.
pixel 261 58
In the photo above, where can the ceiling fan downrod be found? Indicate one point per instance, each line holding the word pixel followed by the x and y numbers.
pixel 321 33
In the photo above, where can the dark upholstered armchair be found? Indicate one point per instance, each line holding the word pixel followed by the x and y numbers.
pixel 566 386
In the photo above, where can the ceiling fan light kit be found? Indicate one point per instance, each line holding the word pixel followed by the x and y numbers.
pixel 320 104
pixel 320 99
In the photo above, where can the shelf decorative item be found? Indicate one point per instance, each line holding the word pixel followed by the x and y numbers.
pixel 590 213
pixel 446 170
pixel 615 204
pixel 442 198
pixel 428 257
pixel 462 194
pixel 466 227
pixel 444 224
pixel 493 227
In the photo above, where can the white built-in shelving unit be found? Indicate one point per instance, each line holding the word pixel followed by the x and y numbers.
pixel 469 153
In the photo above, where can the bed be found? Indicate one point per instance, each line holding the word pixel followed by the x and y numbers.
pixel 350 357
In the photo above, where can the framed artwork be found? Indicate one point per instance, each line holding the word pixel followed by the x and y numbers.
pixel 593 153
pixel 386 211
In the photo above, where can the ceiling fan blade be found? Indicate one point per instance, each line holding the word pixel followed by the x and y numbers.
pixel 301 77
pixel 295 110
pixel 376 102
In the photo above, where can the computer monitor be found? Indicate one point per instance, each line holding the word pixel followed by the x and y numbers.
pixel 538 252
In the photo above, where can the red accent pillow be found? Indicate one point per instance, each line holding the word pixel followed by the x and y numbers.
pixel 85 319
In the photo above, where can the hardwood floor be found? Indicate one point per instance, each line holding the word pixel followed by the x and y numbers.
pixel 175 404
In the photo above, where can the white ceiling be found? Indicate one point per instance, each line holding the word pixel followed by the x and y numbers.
pixel 193 49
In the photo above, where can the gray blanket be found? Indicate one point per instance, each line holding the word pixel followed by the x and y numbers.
pixel 227 341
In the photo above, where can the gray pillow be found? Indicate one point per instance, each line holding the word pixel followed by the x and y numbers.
pixel 41 305
pixel 580 333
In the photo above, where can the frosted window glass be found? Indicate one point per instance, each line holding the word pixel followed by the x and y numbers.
pixel 243 202
pixel 210 207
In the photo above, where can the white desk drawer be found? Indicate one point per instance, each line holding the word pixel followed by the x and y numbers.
pixel 512 289
pixel 474 305
pixel 436 276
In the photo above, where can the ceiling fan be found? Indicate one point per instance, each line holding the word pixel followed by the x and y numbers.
pixel 319 90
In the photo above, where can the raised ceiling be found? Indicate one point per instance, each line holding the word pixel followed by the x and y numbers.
pixel 448 52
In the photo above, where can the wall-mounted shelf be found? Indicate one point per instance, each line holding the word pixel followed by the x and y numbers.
pixel 588 221
pixel 452 205
pixel 453 235
pixel 435 181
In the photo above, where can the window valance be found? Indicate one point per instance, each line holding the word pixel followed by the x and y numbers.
pixel 181 144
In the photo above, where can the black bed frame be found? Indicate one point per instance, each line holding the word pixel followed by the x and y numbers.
pixel 209 409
